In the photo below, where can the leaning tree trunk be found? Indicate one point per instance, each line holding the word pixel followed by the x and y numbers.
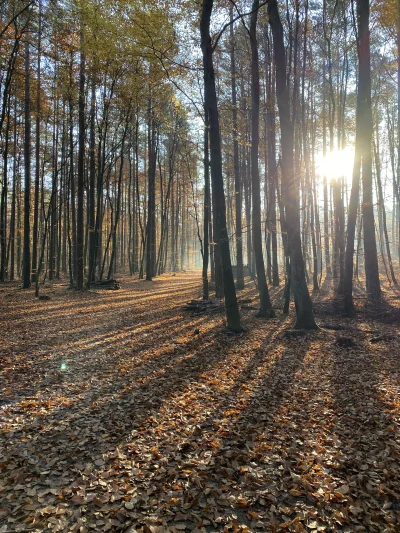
pixel 210 96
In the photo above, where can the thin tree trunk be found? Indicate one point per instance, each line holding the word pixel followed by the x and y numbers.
pixel 236 168
pixel 265 303
pixel 81 169
pixel 304 310
pixel 92 185
pixel 26 276
pixel 35 240
pixel 231 305
pixel 207 207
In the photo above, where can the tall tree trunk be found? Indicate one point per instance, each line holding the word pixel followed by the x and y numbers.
pixel 370 253
pixel 3 201
pixel 207 207
pixel 381 202
pixel 304 311
pixel 92 185
pixel 80 229
pixel 271 158
pixel 265 303
pixel 26 276
pixel 151 207
pixel 210 96
pixel 236 168
pixel 111 268
pixel 13 204
pixel 35 239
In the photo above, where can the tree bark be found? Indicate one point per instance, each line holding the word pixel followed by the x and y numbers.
pixel 231 305
pixel 304 310
pixel 26 275
pixel 370 252
pixel 265 302
pixel 236 168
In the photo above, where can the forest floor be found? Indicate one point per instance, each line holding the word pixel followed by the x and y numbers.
pixel 121 411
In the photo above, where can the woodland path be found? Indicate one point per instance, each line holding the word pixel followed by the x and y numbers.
pixel 117 415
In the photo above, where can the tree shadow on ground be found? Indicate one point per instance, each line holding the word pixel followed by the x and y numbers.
pixel 209 429
pixel 364 387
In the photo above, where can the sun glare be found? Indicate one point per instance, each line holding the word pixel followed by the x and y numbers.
pixel 338 164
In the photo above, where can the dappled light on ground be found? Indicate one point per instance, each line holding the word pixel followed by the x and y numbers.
pixel 121 411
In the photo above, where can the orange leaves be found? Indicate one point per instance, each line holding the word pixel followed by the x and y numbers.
pixel 232 434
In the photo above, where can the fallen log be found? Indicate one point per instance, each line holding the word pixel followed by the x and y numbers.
pixel 106 284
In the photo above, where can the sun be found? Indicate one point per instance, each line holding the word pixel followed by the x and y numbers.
pixel 337 164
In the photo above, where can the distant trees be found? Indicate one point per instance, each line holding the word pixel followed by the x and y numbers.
pixel 106 166
pixel 86 126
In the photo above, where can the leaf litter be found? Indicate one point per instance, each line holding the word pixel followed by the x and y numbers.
pixel 123 412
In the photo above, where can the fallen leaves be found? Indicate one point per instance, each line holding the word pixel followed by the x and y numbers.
pixel 128 422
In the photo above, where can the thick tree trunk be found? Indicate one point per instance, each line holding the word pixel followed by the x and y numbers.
pixel 370 253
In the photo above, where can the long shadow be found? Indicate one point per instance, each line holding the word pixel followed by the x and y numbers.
pixel 241 478
pixel 179 365
pixel 21 356
pixel 78 354
pixel 83 428
pixel 150 386
pixel 365 389
pixel 333 444
pixel 170 427
pixel 89 307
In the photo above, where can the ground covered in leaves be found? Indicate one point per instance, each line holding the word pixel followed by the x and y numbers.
pixel 123 411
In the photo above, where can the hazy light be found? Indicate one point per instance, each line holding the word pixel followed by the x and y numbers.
pixel 64 366
pixel 337 164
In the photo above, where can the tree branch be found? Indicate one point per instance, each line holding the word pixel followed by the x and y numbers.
pixel 240 16
pixel 3 31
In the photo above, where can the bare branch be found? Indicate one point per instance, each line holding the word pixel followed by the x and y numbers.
pixel 240 16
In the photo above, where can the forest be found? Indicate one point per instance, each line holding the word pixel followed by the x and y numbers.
pixel 200 266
